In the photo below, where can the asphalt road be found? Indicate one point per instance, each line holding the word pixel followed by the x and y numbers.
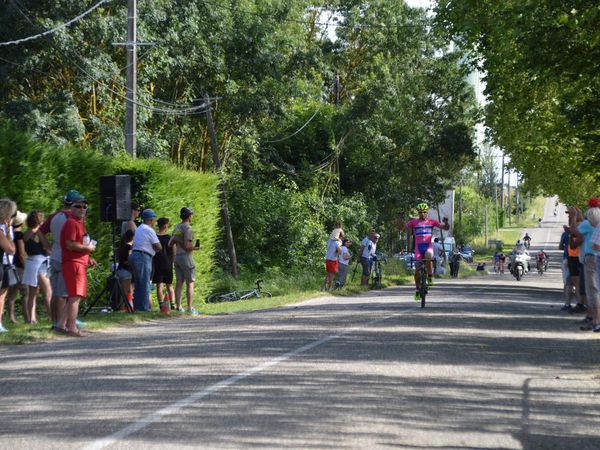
pixel 489 363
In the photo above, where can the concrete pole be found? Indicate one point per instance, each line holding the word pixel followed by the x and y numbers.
pixel 131 93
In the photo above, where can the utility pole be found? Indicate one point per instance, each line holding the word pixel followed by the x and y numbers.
pixel 502 186
pixel 222 191
pixel 336 93
pixel 509 212
pixel 131 95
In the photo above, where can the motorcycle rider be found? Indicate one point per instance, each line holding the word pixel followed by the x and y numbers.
pixel 519 249
pixel 527 240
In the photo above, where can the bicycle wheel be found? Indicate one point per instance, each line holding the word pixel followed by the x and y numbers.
pixel 221 297
pixel 423 287
pixel 265 294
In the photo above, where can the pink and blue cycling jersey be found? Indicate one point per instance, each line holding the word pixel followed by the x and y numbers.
pixel 422 230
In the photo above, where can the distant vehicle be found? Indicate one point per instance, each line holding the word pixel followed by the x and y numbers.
pixel 406 258
pixel 467 253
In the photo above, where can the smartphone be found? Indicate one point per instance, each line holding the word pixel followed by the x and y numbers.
pixel 197 242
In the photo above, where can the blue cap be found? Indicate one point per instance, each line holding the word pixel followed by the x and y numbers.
pixel 70 195
pixel 78 198
pixel 148 214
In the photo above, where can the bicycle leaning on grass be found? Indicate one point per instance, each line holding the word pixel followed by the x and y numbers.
pixel 244 294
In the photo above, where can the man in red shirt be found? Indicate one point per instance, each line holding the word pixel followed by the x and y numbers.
pixel 76 246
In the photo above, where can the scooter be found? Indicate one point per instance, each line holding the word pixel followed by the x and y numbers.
pixel 519 265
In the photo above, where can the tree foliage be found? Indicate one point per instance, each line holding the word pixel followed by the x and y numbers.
pixel 395 129
pixel 541 60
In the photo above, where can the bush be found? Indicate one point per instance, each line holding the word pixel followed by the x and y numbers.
pixel 37 175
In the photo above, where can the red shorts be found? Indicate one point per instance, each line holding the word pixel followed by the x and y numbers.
pixel 332 265
pixel 75 276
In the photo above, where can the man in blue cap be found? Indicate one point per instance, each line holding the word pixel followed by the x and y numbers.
pixel 145 245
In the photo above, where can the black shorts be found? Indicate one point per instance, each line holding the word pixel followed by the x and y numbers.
pixel 573 262
pixel 162 275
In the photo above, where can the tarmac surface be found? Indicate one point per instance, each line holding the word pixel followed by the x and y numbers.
pixel 491 362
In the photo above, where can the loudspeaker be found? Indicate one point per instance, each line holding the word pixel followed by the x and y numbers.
pixel 115 198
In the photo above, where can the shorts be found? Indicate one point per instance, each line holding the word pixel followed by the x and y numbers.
pixel 185 268
pixel 35 266
pixel 591 281
pixel 424 250
pixel 161 275
pixel 332 265
pixel 366 266
pixel 573 262
pixel 124 274
pixel 75 276
pixel 56 279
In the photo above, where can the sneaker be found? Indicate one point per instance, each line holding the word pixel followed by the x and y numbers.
pixel 429 281
pixel 566 307
pixel 596 329
pixel 193 312
pixel 181 309
pixel 579 308
pixel 2 329
pixel 417 296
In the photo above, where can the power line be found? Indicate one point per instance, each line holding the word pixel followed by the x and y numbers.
pixel 60 27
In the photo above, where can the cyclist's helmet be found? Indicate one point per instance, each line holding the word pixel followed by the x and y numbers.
pixel 519 242
pixel 422 207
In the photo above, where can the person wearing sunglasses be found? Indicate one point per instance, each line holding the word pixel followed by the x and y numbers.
pixel 76 247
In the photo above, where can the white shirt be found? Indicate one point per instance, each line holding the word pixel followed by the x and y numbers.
pixel 332 246
pixel 369 247
pixel 8 259
pixel 143 239
pixel 341 257
pixel 437 247
pixel 56 224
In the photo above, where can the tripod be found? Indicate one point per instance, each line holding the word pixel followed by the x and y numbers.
pixel 117 297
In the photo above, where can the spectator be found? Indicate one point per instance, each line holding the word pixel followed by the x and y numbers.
pixel 130 224
pixel 585 229
pixel 185 267
pixel 124 271
pixel 366 252
pixel 145 245
pixel 36 266
pixel 344 263
pixel 338 232
pixel 455 263
pixel 76 247
pixel 567 286
pixel 437 254
pixel 19 262
pixel 53 225
pixel 163 267
pixel 8 209
pixel 334 250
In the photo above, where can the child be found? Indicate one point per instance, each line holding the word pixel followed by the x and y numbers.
pixel 344 265
pixel 338 232
pixel 163 267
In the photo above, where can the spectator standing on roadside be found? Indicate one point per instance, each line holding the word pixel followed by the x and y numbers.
pixel 585 229
pixel 124 271
pixel 366 252
pixel 344 263
pixel 8 209
pixel 185 267
pixel 76 247
pixel 566 276
pixel 437 253
pixel 19 262
pixel 145 245
pixel 130 224
pixel 455 263
pixel 334 250
pixel 53 225
pixel 35 276
pixel 163 267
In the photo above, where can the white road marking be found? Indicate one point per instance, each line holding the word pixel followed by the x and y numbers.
pixel 221 385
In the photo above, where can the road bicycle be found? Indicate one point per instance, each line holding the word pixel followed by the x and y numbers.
pixel 376 275
pixel 233 296
pixel 421 267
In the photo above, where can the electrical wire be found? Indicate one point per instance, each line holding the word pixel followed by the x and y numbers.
pixel 60 27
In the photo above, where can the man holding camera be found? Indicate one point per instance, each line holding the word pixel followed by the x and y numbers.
pixel 421 229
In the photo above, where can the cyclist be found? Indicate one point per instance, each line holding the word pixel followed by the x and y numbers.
pixel 542 259
pixel 527 240
pixel 421 229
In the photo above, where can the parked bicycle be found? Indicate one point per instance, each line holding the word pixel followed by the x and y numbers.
pixel 376 275
pixel 245 294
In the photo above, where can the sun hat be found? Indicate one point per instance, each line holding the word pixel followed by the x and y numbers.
pixel 19 219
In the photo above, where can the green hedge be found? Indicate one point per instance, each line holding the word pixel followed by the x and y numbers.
pixel 36 176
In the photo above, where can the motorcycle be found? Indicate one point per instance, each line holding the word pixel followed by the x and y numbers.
pixel 519 265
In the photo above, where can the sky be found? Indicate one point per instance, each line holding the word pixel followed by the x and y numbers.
pixel 419 3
